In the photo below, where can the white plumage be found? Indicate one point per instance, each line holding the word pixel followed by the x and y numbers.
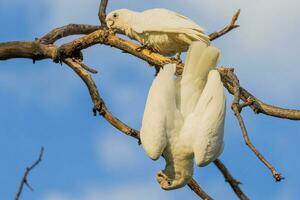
pixel 184 116
pixel 160 29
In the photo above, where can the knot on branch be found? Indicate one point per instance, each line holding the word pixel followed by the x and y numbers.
pixel 36 51
pixel 100 108
pixel 278 177
pixel 103 38
pixel 67 51
pixel 236 108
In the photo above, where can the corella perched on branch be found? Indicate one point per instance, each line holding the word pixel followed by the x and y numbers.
pixel 160 30
pixel 184 116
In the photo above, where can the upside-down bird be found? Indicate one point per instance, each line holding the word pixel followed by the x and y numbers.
pixel 184 116
pixel 160 30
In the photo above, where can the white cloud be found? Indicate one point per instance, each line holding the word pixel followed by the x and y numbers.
pixel 116 151
pixel 63 12
pixel 260 21
pixel 286 193
pixel 50 86
pixel 128 191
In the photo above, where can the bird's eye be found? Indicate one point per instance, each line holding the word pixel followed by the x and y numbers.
pixel 115 15
pixel 169 183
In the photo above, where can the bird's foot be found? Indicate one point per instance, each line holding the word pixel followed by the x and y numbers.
pixel 139 141
pixel 177 58
pixel 145 46
pixel 141 48
pixel 112 31
pixel 163 180
pixel 161 176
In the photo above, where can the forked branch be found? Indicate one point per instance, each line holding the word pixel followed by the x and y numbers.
pixel 24 180
pixel 232 25
pixel 234 184
pixel 237 111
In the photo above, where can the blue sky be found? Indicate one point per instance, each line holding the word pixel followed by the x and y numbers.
pixel 45 104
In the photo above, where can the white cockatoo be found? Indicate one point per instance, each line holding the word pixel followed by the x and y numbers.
pixel 184 116
pixel 161 30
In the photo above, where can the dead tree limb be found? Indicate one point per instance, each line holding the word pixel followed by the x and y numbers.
pixel 102 12
pixel 65 31
pixel 234 184
pixel 193 185
pixel 237 112
pixel 227 28
pixel 24 180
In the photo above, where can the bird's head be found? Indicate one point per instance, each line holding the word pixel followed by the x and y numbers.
pixel 119 19
pixel 168 183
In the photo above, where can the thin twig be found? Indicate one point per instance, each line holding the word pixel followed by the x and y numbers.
pixel 102 12
pixel 27 171
pixel 237 111
pixel 227 28
pixel 65 31
pixel 231 180
pixel 193 185
pixel 255 104
pixel 84 66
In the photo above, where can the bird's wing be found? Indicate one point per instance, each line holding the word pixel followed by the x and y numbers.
pixel 159 112
pixel 163 20
pixel 199 61
pixel 207 121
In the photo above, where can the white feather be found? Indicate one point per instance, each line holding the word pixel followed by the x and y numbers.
pixel 200 60
pixel 159 112
pixel 205 126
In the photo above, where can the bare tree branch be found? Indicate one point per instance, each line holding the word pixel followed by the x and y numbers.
pixel 257 105
pixel 65 31
pixel 231 180
pixel 27 171
pixel 87 68
pixel 237 111
pixel 193 185
pixel 32 50
pixel 227 28
pixel 102 12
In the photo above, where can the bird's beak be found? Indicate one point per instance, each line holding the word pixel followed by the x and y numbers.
pixel 110 23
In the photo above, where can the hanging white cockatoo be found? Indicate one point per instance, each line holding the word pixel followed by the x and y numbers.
pixel 184 116
pixel 161 30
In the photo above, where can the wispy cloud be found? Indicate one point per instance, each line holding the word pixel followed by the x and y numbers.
pixel 129 191
pixel 116 151
pixel 63 12
pixel 50 86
